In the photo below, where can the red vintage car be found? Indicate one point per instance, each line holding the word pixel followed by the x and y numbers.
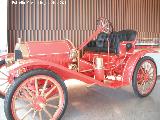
pixel 33 77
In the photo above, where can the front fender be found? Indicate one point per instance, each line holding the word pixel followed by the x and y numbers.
pixel 62 71
pixel 33 64
pixel 131 64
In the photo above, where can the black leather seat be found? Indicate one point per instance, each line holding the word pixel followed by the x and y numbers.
pixel 114 42
pixel 101 43
pixel 98 45
pixel 127 35
pixel 101 40
pixel 117 37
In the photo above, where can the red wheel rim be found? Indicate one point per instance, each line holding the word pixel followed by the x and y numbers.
pixel 4 81
pixel 146 77
pixel 37 102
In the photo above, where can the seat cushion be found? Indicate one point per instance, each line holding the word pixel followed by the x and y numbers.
pixel 114 42
pixel 127 35
pixel 101 43
pixel 91 44
pixel 102 37
pixel 98 45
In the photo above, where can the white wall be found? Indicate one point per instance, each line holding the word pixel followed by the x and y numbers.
pixel 3 26
pixel 156 57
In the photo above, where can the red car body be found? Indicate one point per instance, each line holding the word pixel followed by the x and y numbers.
pixel 54 55
pixel 103 68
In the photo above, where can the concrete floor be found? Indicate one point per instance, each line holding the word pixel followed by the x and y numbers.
pixel 98 103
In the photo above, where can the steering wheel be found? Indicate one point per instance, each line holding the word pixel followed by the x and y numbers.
pixel 105 24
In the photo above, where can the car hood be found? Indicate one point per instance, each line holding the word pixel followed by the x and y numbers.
pixel 49 47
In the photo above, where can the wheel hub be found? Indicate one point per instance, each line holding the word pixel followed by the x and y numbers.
pixel 143 76
pixel 39 103
pixel 146 77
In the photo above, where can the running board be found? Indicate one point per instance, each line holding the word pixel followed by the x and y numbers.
pixel 114 83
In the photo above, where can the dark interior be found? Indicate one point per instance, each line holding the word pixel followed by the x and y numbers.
pixel 101 43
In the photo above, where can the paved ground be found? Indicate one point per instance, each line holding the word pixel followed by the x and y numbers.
pixel 99 103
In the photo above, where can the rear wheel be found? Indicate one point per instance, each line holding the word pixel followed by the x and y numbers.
pixel 37 95
pixel 144 76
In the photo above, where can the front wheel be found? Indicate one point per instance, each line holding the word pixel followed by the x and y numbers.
pixel 4 83
pixel 37 95
pixel 144 77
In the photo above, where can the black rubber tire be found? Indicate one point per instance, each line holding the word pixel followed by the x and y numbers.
pixel 2 62
pixel 134 78
pixel 23 77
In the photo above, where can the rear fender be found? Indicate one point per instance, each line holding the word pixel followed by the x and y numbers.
pixel 62 71
pixel 131 64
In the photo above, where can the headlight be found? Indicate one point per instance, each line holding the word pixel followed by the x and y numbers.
pixel 73 55
pixel 21 50
pixel 24 50
pixel 9 61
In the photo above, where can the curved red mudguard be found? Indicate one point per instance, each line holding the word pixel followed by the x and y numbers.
pixel 131 64
pixel 62 71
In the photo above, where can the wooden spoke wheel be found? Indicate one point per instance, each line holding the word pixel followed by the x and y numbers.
pixel 144 77
pixel 37 95
pixel 4 83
